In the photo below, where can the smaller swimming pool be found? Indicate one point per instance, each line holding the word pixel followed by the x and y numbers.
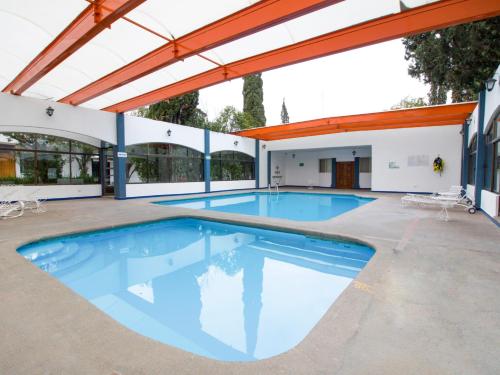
pixel 223 291
pixel 286 205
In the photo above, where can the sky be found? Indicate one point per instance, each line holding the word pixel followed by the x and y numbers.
pixel 369 79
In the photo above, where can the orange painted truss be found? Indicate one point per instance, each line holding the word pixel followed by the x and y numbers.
pixel 418 20
pixel 442 115
pixel 247 21
pixel 95 18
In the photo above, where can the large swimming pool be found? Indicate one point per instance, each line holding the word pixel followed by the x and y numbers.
pixel 286 205
pixel 223 291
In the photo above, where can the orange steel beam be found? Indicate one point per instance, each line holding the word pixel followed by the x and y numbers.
pixel 404 118
pixel 286 135
pixel 403 126
pixel 247 21
pixel 95 18
pixel 418 20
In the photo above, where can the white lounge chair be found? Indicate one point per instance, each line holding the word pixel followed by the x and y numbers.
pixel 12 210
pixel 34 202
pixel 438 201
pixel 10 194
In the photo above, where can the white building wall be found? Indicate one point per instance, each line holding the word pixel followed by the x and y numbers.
pixel 492 101
pixel 232 185
pixel 489 200
pixel 289 163
pixel 226 142
pixel 392 147
pixel 55 191
pixel 142 130
pixel 24 114
pixel 144 190
pixel 490 203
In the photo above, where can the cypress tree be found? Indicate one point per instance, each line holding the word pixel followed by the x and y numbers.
pixel 284 113
pixel 253 98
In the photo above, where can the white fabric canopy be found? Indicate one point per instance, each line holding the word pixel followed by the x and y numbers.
pixel 28 26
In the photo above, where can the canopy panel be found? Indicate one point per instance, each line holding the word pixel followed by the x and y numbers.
pixel 144 27
pixel 440 115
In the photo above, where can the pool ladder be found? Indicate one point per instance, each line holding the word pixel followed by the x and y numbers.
pixel 276 189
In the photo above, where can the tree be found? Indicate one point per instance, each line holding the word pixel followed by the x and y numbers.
pixel 457 59
pixel 409 102
pixel 284 113
pixel 230 120
pixel 253 98
pixel 179 110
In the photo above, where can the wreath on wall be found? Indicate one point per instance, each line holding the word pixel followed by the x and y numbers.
pixel 438 165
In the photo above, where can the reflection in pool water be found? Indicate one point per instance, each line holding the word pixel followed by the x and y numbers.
pixel 223 291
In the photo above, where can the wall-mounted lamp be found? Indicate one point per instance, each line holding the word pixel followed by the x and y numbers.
pixel 468 121
pixel 169 133
pixel 263 147
pixel 490 83
pixel 236 143
pixel 49 111
pixel 354 153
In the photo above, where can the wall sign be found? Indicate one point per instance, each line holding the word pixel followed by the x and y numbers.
pixel 393 165
pixel 121 154
pixel 418 160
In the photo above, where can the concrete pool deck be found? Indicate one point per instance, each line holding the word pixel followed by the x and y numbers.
pixel 426 303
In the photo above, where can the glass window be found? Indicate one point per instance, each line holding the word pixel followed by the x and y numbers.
pixel 19 141
pixel 231 166
pixel 325 166
pixel 493 156
pixel 137 169
pixel 84 169
pixel 496 168
pixel 53 168
pixel 27 158
pixel 163 162
pixel 83 148
pixel 365 165
pixel 52 143
pixel 471 179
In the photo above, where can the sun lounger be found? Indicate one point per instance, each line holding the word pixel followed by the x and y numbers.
pixel 437 201
pixel 12 210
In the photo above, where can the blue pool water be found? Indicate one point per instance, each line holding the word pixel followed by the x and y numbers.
pixel 223 291
pixel 286 205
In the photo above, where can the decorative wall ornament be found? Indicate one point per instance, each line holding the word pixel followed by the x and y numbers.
pixel 438 165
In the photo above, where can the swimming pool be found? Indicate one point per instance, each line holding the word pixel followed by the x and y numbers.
pixel 286 205
pixel 223 291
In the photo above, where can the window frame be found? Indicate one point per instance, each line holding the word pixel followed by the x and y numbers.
pixel 37 151
pixel 172 155
pixel 493 139
pixel 233 158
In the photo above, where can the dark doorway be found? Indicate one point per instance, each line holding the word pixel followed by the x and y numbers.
pixel 109 180
pixel 345 175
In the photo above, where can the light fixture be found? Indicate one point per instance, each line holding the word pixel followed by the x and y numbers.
pixel 354 153
pixel 236 143
pixel 49 111
pixel 169 133
pixel 263 147
pixel 468 121
pixel 490 83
